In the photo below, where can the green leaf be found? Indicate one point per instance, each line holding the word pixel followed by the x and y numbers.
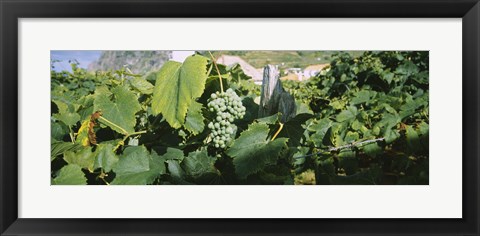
pixel 57 148
pixel 348 161
pixel 58 131
pixel 338 104
pixel 351 137
pixel 175 169
pixel 118 106
pixel 84 158
pixel 198 163
pixel 270 120
pixel 134 160
pixel 347 115
pixel 137 167
pixel 177 86
pixel 194 121
pixel 372 149
pixel 68 118
pixel 357 125
pixel 105 157
pixel 337 133
pixel 320 128
pixel 361 97
pixel 388 76
pixel 142 85
pixel 410 107
pixel 66 113
pixel 70 175
pixel 407 68
pixel 423 128
pixel 391 135
pixel 173 154
pixel 62 106
pixel 251 152
pixel 157 164
pixel 412 139
pixel 303 108
pixel 293 129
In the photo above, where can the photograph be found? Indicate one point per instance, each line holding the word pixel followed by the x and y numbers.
pixel 251 117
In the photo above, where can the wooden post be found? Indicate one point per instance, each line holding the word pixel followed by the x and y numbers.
pixel 274 99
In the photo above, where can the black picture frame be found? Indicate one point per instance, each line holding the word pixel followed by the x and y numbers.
pixel 12 10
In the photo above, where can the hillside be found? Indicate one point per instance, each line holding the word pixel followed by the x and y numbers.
pixel 285 59
pixel 140 62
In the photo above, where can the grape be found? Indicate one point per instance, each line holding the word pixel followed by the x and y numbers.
pixel 227 107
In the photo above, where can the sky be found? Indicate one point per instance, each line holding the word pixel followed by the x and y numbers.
pixel 84 57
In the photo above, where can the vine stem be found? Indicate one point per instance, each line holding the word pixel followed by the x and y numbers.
pixel 125 139
pixel 72 136
pixel 278 131
pixel 354 144
pixel 101 118
pixel 218 71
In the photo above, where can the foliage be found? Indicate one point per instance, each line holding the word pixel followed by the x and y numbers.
pixel 376 95
pixel 152 128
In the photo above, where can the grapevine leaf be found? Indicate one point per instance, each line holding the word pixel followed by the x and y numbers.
pixel 157 164
pixel 66 114
pixel 82 136
pixel 118 106
pixel 252 151
pixel 391 135
pixel 62 106
pixel 137 167
pixel 84 158
pixel 270 120
pixel 105 157
pixel 173 154
pixel 408 68
pixel 348 161
pixel 320 128
pixel 409 107
pixel 198 163
pixel 361 97
pixel 388 76
pixel 142 85
pixel 423 128
pixel 68 118
pixel 175 169
pixel 303 108
pixel 351 137
pixel 177 86
pixel 412 139
pixel 347 115
pixel 194 121
pixel 372 149
pixel 57 148
pixel 70 175
pixel 58 131
pixel 338 104
pixel 357 125
pixel 293 129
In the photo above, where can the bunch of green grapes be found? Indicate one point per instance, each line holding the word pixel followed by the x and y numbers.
pixel 228 107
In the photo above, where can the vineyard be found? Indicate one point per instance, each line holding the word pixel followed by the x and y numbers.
pixel 363 120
